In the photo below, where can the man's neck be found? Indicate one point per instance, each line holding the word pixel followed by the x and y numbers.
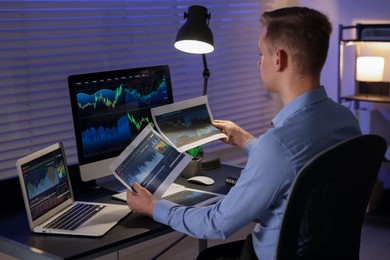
pixel 297 86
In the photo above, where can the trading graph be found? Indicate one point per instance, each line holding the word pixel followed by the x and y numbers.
pixel 45 179
pixel 112 113
pixel 145 93
pixel 149 163
pixel 104 133
pixel 102 99
pixel 184 119
pixel 143 168
pixel 142 161
pixel 129 94
pixel 140 123
pixel 187 125
pixel 112 131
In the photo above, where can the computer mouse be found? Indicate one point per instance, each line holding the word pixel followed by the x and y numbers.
pixel 202 180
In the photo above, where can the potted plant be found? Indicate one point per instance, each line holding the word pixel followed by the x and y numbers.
pixel 194 167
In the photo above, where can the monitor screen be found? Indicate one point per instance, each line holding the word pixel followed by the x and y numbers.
pixel 109 110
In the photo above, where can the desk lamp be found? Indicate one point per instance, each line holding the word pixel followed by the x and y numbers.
pixel 369 69
pixel 196 37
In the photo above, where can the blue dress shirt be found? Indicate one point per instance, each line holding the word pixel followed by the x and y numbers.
pixel 303 128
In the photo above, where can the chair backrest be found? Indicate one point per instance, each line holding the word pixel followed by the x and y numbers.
pixel 324 214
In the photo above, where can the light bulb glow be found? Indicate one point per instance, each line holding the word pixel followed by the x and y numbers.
pixel 370 68
pixel 193 46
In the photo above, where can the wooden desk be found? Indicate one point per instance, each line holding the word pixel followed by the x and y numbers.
pixel 17 240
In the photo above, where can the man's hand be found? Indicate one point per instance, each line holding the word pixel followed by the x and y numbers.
pixel 236 135
pixel 140 200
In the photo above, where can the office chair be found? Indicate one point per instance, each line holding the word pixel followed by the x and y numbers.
pixel 327 202
pixel 324 214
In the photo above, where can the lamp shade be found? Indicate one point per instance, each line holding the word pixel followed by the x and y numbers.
pixel 195 35
pixel 369 68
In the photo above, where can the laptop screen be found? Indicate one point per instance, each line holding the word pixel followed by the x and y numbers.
pixel 46 182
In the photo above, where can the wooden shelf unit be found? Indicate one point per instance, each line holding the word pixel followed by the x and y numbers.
pixel 375 92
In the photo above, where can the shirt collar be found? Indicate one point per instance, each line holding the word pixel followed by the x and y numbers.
pixel 304 100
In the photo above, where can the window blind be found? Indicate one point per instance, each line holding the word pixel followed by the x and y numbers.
pixel 43 42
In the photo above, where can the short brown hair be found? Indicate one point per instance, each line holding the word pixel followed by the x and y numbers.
pixel 303 31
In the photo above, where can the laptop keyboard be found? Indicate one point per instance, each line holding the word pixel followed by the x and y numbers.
pixel 75 216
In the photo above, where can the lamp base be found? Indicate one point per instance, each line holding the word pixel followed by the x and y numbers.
pixel 373 88
pixel 210 162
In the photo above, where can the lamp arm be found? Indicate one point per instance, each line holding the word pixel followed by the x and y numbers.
pixel 206 74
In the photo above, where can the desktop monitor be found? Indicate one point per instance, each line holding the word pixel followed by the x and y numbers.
pixel 109 110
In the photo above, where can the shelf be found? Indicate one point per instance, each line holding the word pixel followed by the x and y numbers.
pixel 366 32
pixel 356 34
pixel 367 98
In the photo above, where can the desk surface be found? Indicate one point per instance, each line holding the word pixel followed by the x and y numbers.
pixel 17 240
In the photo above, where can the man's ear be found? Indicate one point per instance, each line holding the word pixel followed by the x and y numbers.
pixel 281 59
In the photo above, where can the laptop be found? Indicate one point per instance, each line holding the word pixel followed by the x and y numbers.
pixel 183 195
pixel 49 200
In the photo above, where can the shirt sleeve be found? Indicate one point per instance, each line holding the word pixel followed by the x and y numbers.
pixel 255 191
pixel 249 146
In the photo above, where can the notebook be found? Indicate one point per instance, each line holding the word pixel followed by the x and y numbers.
pixel 48 196
pixel 183 195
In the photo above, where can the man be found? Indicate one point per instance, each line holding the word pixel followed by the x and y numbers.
pixel 293 47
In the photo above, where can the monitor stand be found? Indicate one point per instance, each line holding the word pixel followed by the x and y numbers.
pixel 110 183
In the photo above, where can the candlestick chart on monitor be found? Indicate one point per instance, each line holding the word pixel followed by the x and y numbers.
pixel 111 108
